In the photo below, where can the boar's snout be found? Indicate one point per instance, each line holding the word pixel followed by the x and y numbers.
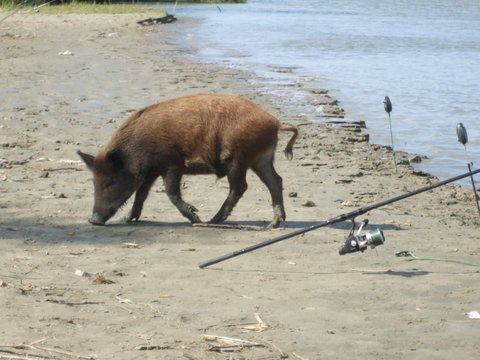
pixel 97 219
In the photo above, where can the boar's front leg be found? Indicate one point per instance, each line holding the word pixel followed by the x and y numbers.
pixel 238 185
pixel 172 187
pixel 140 196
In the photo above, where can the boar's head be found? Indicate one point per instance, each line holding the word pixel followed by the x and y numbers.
pixel 113 183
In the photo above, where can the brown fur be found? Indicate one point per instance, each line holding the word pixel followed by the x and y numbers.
pixel 198 134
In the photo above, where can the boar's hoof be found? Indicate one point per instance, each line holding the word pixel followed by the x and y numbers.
pixel 96 219
pixel 189 211
pixel 130 219
pixel 279 216
pixel 194 219
pixel 273 225
pixel 217 219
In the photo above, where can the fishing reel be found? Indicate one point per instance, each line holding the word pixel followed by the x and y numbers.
pixel 356 241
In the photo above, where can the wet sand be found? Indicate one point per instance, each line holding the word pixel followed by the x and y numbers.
pixel 67 82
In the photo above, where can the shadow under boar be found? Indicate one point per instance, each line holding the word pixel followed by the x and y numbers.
pixel 218 134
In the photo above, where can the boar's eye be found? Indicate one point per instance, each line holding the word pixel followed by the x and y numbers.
pixel 108 183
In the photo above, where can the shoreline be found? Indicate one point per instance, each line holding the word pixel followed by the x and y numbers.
pixel 446 156
pixel 310 298
pixel 290 92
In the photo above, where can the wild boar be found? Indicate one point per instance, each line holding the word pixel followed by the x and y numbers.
pixel 217 134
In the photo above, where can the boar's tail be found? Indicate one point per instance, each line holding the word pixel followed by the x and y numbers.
pixel 289 148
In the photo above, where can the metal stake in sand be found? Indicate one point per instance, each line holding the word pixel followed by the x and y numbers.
pixel 387 105
pixel 462 137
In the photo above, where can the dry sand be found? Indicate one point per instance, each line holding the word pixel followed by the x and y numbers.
pixel 314 304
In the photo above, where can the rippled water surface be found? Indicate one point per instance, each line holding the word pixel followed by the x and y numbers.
pixel 425 55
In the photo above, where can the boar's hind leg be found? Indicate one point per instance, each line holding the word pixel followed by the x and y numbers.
pixel 140 196
pixel 266 172
pixel 238 185
pixel 172 188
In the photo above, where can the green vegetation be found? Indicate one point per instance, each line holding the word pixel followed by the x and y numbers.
pixel 83 7
pixel 6 4
pixel 99 6
pixel 204 1
pixel 90 8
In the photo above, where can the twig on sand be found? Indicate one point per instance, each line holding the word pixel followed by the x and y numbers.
pixel 74 303
pixel 273 346
pixel 34 346
pixel 298 356
pixel 153 347
pixel 231 226
pixel 371 270
pixel 16 357
pixel 67 168
pixel 228 344
pixel 259 326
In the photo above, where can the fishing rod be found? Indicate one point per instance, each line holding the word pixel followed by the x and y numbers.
pixel 355 241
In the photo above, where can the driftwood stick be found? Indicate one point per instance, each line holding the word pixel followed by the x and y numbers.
pixel 33 346
pixel 231 226
pixel 275 347
pixel 17 357
pixel 62 352
pixel 63 169
pixel 298 356
pixel 168 18
pixel 18 354
pixel 228 344
pixel 38 341
pixel 73 303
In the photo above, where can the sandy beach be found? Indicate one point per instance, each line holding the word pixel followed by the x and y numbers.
pixel 72 290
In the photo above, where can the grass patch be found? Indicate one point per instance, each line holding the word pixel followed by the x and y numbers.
pixel 204 1
pixel 88 8
pixel 75 7
pixel 84 7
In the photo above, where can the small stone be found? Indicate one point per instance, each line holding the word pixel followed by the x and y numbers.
pixel 44 174
pixel 415 159
pixel 292 194
pixel 420 173
pixel 326 100
pixel 309 203
pixel 100 280
pixel 82 273
pixel 360 138
pixel 343 181
pixel 319 91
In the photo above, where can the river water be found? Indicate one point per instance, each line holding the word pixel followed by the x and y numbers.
pixel 425 55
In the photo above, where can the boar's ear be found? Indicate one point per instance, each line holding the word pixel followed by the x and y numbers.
pixel 87 159
pixel 115 158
